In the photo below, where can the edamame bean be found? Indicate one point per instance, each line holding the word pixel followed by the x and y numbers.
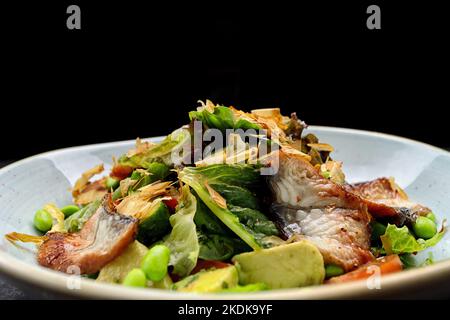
pixel 332 270
pixel 431 216
pixel 155 262
pixel 69 210
pixel 43 220
pixel 135 278
pixel 424 228
pixel 111 183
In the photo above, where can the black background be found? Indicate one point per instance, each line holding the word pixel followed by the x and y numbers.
pixel 136 68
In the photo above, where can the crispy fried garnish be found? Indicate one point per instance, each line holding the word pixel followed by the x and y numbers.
pixel 58 218
pixel 93 191
pixel 22 237
pixel 321 147
pixel 274 131
pixel 273 114
pixel 333 169
pixel 139 203
pixel 401 193
pixel 208 106
pixel 83 181
pixel 293 151
pixel 237 151
pixel 154 190
pixel 125 185
pixel 217 198
pixel 141 147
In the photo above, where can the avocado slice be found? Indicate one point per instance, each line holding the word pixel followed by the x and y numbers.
pixel 154 225
pixel 116 270
pixel 209 281
pixel 291 265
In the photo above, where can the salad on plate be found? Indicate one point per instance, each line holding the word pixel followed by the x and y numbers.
pixel 231 202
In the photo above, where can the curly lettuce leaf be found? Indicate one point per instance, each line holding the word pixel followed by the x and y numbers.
pixel 216 241
pixel 255 220
pixel 246 125
pixel 399 240
pixel 241 175
pixel 216 247
pixel 183 241
pixel 236 195
pixel 221 118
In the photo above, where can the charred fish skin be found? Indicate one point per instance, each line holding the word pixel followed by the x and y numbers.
pixel 104 237
pixel 387 202
pixel 306 205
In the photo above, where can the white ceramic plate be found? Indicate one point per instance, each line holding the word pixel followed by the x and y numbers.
pixel 423 170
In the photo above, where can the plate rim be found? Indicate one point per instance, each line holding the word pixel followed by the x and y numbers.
pixel 56 281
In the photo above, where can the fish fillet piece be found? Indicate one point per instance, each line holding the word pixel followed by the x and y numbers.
pixel 309 206
pixel 387 201
pixel 340 235
pixel 104 237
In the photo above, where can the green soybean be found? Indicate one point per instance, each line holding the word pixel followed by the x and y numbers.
pixel 69 210
pixel 431 216
pixel 155 262
pixel 112 183
pixel 43 220
pixel 332 270
pixel 424 228
pixel 135 278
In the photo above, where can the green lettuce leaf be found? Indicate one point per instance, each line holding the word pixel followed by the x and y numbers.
pixel 248 224
pixel 207 222
pixel 255 220
pixel 216 246
pixel 236 195
pixel 242 175
pixel 399 240
pixel 160 152
pixel 222 118
pixel 183 241
pixel 216 241
pixel 245 125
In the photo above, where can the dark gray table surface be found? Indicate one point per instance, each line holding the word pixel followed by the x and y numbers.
pixel 11 291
